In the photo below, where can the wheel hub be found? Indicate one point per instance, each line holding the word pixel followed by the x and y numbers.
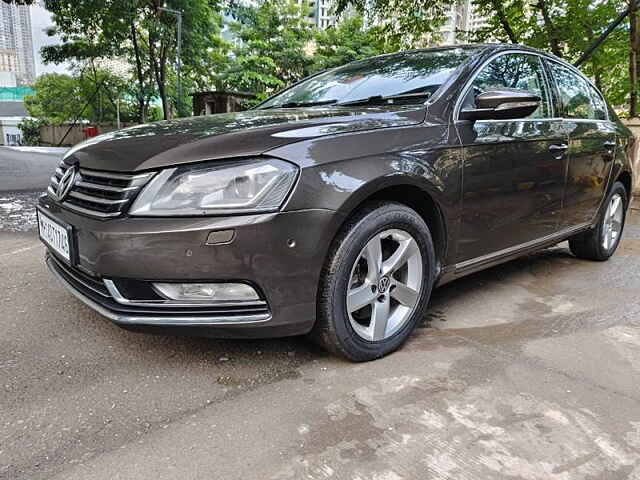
pixel 383 284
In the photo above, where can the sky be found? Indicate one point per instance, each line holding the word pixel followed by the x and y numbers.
pixel 40 20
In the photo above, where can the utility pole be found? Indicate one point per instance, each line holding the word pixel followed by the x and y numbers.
pixel 178 15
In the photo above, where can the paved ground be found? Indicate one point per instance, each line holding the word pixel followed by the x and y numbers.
pixel 527 371
pixel 27 168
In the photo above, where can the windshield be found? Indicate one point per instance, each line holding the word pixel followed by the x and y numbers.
pixel 412 73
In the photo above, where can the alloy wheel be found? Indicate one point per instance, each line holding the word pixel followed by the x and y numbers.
pixel 385 285
pixel 612 226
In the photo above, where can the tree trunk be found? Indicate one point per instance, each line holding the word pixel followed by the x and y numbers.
pixel 551 31
pixel 633 58
pixel 504 21
pixel 159 75
pixel 139 73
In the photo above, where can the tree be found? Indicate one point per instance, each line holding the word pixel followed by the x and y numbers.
pixel 272 49
pixel 634 46
pixel 142 32
pixel 403 23
pixel 60 98
pixel 564 27
pixel 30 129
pixel 346 42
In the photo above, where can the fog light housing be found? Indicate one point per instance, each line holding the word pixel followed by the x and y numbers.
pixel 207 292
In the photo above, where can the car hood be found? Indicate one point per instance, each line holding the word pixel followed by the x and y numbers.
pixel 229 135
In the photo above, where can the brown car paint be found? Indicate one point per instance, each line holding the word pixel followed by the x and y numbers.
pixel 496 191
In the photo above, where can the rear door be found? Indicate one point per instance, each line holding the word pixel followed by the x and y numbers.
pixel 591 145
pixel 514 170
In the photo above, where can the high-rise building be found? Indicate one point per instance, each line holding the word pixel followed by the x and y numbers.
pixel 16 38
pixel 321 12
pixel 462 19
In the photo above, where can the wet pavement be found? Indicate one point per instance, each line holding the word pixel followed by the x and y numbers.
pixel 529 370
pixel 18 211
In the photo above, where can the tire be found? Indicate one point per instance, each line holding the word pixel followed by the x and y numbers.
pixel 403 236
pixel 598 244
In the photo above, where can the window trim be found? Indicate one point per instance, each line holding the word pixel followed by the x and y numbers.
pixel 469 83
pixel 589 82
pixel 551 85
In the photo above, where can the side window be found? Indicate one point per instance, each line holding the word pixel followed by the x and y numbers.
pixel 513 70
pixel 599 103
pixel 575 94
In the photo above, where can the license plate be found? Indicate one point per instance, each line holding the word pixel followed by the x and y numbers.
pixel 55 235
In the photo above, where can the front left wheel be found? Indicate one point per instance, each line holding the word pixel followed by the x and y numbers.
pixel 376 282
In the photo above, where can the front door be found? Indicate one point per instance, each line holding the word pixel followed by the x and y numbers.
pixel 591 145
pixel 514 170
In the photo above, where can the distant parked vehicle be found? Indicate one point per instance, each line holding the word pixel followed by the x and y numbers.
pixel 333 208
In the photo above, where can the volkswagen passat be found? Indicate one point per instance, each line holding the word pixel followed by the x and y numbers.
pixel 333 208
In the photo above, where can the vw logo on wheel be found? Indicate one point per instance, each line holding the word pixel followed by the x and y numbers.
pixel 383 284
pixel 66 182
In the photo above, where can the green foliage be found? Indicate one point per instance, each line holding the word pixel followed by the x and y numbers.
pixel 62 98
pixel 271 51
pixel 30 129
pixel 144 34
pixel 403 24
pixel 563 27
pixel 346 42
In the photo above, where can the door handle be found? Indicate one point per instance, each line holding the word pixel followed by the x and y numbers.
pixel 609 147
pixel 558 148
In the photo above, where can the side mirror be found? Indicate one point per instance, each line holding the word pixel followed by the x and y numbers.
pixel 502 104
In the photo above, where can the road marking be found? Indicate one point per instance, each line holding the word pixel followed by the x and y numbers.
pixel 20 250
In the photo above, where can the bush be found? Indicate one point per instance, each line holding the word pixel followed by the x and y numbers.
pixel 30 128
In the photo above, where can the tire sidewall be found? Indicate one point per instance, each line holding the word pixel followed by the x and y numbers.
pixel 376 221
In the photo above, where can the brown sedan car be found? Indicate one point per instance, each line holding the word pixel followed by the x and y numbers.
pixel 333 208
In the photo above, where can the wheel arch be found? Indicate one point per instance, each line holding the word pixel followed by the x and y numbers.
pixel 626 179
pixel 416 197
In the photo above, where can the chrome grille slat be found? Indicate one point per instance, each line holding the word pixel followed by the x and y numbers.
pixel 116 176
pixel 89 212
pixel 91 198
pixel 108 188
pixel 99 193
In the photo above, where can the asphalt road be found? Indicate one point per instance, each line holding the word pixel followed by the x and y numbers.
pixel 529 370
pixel 27 168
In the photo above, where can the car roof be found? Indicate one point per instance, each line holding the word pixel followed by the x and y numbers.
pixel 484 48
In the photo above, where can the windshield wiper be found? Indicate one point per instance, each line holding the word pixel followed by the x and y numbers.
pixel 301 104
pixel 386 100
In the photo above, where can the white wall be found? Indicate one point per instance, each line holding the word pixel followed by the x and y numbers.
pixel 11 134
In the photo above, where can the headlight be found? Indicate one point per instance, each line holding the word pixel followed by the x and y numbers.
pixel 256 185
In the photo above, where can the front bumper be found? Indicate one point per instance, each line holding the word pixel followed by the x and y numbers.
pixel 174 249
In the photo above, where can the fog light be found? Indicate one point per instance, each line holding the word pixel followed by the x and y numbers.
pixel 217 292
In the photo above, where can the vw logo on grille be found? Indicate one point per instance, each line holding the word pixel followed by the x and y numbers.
pixel 66 183
pixel 383 284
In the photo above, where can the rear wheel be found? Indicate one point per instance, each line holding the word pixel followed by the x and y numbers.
pixel 601 242
pixel 376 283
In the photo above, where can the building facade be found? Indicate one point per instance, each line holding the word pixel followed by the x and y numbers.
pixel 16 42
pixel 321 12
pixel 462 19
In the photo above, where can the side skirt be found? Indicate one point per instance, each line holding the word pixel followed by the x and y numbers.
pixel 490 260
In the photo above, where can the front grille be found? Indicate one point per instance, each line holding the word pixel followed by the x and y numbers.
pixel 98 193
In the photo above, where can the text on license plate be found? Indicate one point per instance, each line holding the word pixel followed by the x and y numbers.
pixel 54 235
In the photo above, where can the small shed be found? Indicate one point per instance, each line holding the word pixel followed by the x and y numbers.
pixel 208 103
